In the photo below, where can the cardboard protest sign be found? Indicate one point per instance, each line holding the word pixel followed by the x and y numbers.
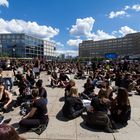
pixel 8 74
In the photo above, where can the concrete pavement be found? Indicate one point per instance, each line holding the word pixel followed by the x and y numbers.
pixel 61 129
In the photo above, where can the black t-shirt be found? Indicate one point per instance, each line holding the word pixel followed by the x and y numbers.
pixel 95 103
pixel 89 88
pixel 42 92
pixel 63 77
pixel 41 111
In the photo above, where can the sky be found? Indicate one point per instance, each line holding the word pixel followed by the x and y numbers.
pixel 69 22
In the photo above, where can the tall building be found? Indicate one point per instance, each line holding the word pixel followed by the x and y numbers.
pixel 128 45
pixel 49 50
pixel 23 46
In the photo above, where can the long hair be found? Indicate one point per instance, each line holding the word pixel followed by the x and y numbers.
pixel 122 97
pixel 9 133
pixel 74 91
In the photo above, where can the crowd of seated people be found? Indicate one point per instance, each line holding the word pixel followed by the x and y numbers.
pixel 102 110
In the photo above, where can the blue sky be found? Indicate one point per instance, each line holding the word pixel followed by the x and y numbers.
pixel 68 22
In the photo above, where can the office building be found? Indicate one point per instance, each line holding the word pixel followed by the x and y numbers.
pixel 49 50
pixel 24 46
pixel 128 45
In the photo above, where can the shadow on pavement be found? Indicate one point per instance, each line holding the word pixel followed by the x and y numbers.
pixel 60 117
pixel 61 99
pixel 84 126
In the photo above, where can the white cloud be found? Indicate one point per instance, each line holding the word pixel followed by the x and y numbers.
pixel 4 3
pixel 118 14
pixel 68 52
pixel 101 35
pixel 126 30
pixel 32 28
pixel 83 27
pixel 136 7
pixel 59 44
pixel 127 7
pixel 74 42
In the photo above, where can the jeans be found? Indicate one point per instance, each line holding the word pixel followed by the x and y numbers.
pixel 8 82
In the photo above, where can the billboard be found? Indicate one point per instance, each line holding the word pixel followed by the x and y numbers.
pixel 111 55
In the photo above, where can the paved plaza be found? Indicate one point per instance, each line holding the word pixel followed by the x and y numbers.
pixel 61 129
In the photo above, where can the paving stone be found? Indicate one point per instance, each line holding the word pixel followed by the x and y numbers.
pixel 61 129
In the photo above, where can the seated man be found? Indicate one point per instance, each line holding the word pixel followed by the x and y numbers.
pixel 5 97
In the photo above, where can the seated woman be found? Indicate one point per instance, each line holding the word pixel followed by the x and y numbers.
pixel 73 106
pixel 54 79
pixel 24 92
pixel 120 108
pixel 5 98
pixel 9 133
pixel 38 115
pixel 80 74
pixel 138 86
pixel 109 89
pixel 68 87
pixel 42 90
pixel 63 79
pixel 30 77
pixel 88 90
pixel 97 116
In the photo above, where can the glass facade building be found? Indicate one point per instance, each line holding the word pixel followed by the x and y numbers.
pixel 128 45
pixel 22 45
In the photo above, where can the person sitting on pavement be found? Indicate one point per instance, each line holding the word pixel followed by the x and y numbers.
pixel 30 77
pixel 121 108
pixel 138 85
pixel 63 79
pixel 109 89
pixel 68 87
pixel 127 82
pixel 42 90
pixel 54 79
pixel 88 90
pixel 18 77
pixel 73 106
pixel 97 113
pixel 38 116
pixel 7 132
pixel 80 74
pixel 5 98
